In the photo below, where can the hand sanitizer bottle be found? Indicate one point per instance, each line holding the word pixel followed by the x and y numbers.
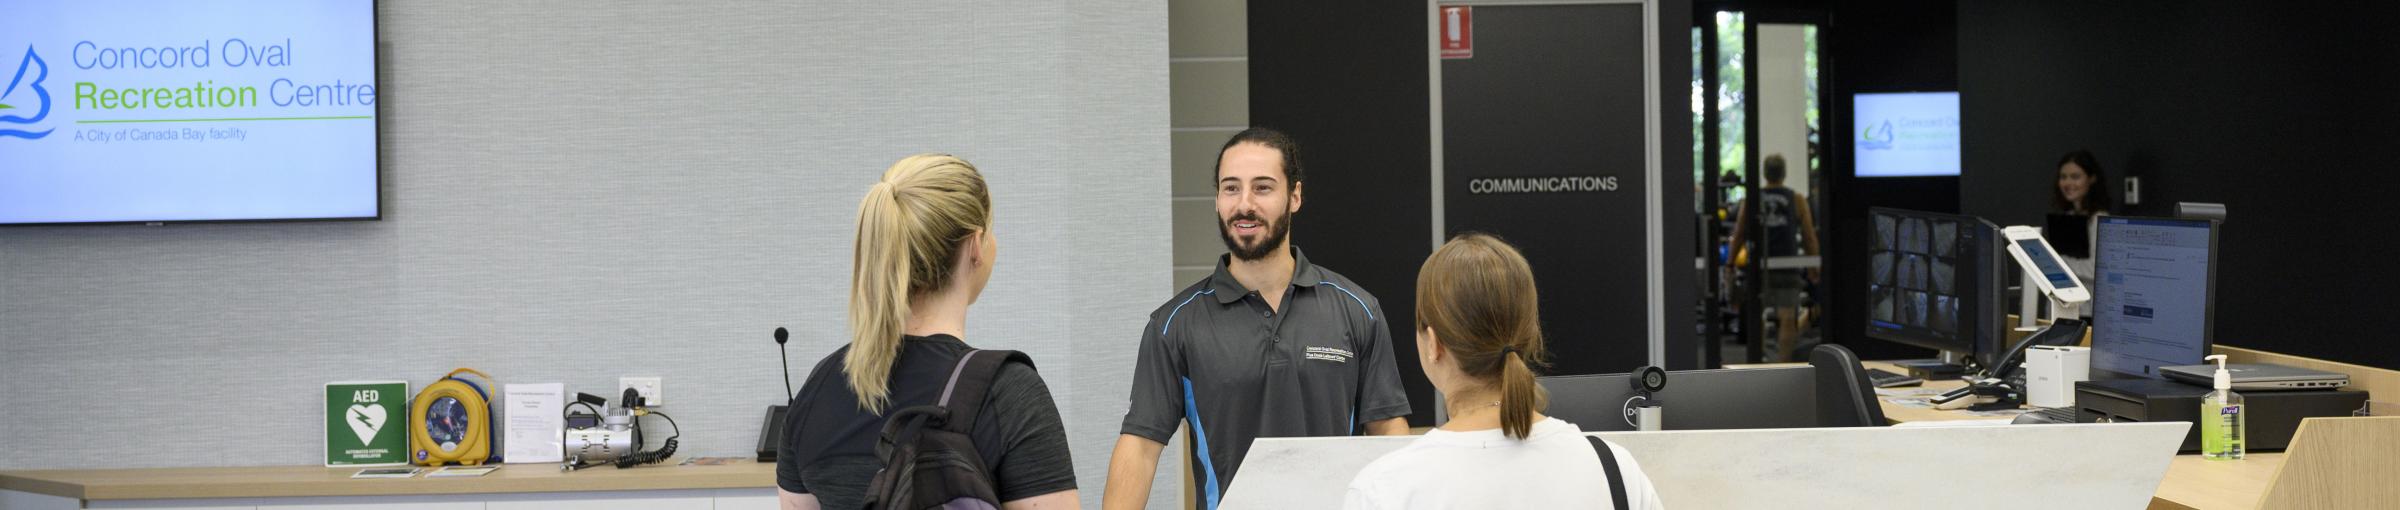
pixel 2221 418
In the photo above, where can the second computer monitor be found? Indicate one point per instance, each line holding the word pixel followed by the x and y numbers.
pixel 2154 295
pixel 1934 281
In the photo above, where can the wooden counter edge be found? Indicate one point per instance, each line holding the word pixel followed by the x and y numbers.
pixel 116 485
pixel 10 480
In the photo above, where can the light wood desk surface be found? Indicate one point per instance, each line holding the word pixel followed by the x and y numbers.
pixel 2191 482
pixel 309 481
pixel 2201 484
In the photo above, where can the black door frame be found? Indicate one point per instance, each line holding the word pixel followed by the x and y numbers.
pixel 1754 276
pixel 1655 181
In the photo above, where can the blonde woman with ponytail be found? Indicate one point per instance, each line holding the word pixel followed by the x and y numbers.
pixel 924 251
pixel 1479 338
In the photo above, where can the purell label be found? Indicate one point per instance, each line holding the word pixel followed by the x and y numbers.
pixel 2230 410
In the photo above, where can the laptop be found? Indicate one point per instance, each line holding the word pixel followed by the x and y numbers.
pixel 2258 377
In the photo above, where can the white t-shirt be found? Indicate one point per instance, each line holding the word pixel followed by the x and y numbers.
pixel 1554 467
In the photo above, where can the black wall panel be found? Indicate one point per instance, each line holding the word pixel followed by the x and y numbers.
pixel 1348 79
pixel 2284 113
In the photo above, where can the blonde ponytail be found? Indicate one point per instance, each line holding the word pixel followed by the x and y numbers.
pixel 909 229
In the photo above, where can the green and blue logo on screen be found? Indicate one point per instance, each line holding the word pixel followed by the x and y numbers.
pixel 35 97
pixel 1876 137
pixel 1917 133
pixel 137 97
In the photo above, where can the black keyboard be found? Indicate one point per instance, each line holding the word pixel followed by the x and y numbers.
pixel 1882 379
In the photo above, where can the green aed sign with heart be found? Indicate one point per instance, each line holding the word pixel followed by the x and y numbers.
pixel 365 423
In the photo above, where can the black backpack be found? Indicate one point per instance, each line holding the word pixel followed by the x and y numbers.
pixel 929 457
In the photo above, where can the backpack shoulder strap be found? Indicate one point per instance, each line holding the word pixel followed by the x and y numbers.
pixel 1608 464
pixel 970 382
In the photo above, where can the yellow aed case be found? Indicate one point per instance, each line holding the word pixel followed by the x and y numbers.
pixel 451 421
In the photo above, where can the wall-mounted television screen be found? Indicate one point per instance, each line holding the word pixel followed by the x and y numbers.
pixel 120 111
pixel 1906 134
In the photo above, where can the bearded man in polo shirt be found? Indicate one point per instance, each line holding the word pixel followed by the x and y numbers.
pixel 1267 346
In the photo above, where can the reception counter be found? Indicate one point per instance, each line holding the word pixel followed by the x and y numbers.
pixel 745 484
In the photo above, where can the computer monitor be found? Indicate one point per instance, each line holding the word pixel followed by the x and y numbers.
pixel 1935 281
pixel 1726 398
pixel 2069 233
pixel 2154 295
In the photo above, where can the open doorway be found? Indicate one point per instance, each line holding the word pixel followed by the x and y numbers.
pixel 1759 88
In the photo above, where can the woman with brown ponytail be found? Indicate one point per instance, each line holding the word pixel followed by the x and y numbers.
pixel 924 252
pixel 1479 339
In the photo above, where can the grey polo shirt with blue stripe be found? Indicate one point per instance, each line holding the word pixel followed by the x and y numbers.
pixel 1215 354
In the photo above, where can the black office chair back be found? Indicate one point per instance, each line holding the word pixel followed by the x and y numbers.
pixel 1845 397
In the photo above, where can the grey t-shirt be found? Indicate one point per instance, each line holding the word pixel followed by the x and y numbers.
pixel 829 444
pixel 1216 356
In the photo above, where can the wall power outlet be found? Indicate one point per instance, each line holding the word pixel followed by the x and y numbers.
pixel 652 389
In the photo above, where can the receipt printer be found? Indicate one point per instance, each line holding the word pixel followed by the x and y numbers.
pixel 2273 415
pixel 2051 372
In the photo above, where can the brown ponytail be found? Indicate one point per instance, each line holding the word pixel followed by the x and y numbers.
pixel 1519 396
pixel 1476 292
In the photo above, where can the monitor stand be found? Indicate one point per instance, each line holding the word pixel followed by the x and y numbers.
pixel 2030 297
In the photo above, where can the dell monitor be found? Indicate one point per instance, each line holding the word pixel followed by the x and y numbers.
pixel 1936 281
pixel 1725 398
pixel 2154 295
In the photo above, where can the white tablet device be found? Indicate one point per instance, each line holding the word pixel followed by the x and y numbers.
pixel 2034 255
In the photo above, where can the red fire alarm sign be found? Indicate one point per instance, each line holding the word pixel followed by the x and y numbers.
pixel 1458 31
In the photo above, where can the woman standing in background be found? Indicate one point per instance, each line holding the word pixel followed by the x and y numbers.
pixel 2082 188
pixel 2081 191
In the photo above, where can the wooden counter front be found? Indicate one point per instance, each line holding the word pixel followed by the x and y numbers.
pixel 306 481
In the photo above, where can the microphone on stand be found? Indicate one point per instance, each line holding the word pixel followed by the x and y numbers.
pixel 770 432
pixel 782 336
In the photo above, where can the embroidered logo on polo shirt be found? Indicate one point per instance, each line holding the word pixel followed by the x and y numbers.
pixel 1329 354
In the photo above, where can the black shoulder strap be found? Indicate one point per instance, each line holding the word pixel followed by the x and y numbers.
pixel 1608 464
pixel 969 382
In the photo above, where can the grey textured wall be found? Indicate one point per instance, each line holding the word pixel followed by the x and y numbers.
pixel 575 192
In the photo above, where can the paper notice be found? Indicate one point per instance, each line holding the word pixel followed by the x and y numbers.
pixel 536 429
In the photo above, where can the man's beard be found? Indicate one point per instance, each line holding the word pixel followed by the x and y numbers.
pixel 1276 233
